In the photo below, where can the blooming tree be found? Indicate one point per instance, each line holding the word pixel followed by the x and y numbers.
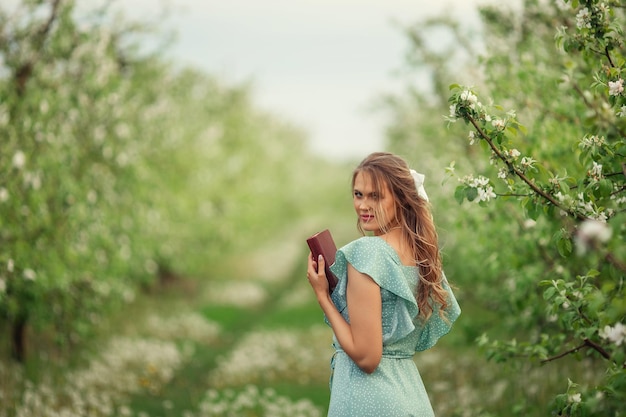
pixel 119 170
pixel 567 171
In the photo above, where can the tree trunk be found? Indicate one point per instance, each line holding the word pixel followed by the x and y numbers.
pixel 19 338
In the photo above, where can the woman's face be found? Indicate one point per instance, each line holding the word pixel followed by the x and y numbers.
pixel 376 212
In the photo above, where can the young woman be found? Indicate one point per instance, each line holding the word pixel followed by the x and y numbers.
pixel 392 298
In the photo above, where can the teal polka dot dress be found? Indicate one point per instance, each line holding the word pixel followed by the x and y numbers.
pixel 395 388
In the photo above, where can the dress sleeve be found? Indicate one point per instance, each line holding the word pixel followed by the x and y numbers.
pixel 372 256
pixel 438 326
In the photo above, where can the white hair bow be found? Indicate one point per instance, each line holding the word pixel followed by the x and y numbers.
pixel 419 184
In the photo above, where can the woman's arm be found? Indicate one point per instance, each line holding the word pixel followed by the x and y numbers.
pixel 362 338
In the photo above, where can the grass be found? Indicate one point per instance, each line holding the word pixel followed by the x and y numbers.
pixel 191 384
pixel 460 381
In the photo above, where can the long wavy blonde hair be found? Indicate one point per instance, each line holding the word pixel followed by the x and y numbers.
pixel 416 222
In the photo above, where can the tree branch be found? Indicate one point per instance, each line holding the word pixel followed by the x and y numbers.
pixel 25 71
pixel 520 174
pixel 561 355
pixel 587 343
pixel 598 348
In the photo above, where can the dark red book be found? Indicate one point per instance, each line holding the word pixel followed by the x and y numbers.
pixel 322 243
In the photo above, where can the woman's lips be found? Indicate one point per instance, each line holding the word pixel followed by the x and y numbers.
pixel 366 217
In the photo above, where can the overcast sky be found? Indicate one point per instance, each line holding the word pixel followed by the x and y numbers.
pixel 318 63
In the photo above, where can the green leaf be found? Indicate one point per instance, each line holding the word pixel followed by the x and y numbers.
pixel 549 293
pixel 533 210
pixel 459 194
pixel 471 193
pixel 605 187
pixel 564 246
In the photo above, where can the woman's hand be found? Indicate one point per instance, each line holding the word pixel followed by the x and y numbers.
pixel 317 276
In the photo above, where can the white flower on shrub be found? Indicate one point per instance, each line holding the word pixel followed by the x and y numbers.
pixel 615 334
pixel 616 87
pixel 19 159
pixel 453 112
pixel 3 286
pixel 4 195
pixel 527 162
pixel 564 199
pixel 472 137
pixel 484 189
pixel 596 230
pixel 468 96
pixel 275 355
pixel 124 367
pixel 595 172
pixel 499 124
pixel 187 326
pixel 29 274
pixel 591 232
pixel 574 398
pixel 33 180
pixel 583 19
pixel 592 141
pixel 485 194
pixel 622 112
pixel 512 153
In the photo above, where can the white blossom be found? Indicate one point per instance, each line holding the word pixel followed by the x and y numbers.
pixel 615 334
pixel 468 96
pixel 583 19
pixel 472 137
pixel 32 180
pixel 453 111
pixel 3 286
pixel 622 112
pixel 562 5
pixel 596 171
pixel 485 194
pixel 513 153
pixel 484 189
pixel 4 195
pixel 591 232
pixel 616 87
pixel 592 141
pixel 603 9
pixel 575 398
pixel 29 274
pixel 564 199
pixel 499 124
pixel 502 173
pixel 527 162
pixel 19 159
pixel 593 229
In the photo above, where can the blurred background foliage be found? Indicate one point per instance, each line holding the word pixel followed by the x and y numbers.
pixel 121 171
